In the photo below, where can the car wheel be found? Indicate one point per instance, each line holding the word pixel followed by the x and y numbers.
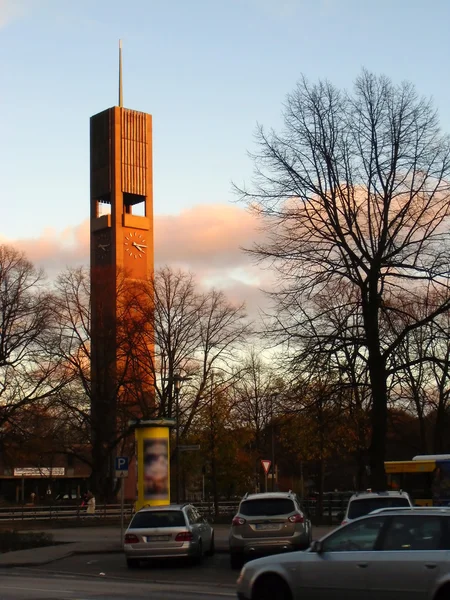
pixel 236 561
pixel 271 587
pixel 132 563
pixel 212 547
pixel 199 558
pixel 443 593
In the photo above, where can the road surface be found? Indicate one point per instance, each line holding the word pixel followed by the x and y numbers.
pixel 21 586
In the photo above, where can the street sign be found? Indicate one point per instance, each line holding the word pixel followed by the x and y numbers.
pixel 121 465
pixel 266 465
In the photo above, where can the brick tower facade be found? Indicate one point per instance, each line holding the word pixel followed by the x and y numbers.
pixel 121 219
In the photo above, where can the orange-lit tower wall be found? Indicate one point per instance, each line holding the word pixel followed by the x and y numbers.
pixel 121 235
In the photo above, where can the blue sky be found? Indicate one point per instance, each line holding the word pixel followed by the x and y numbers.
pixel 208 71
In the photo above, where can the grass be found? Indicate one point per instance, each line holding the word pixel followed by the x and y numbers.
pixel 11 540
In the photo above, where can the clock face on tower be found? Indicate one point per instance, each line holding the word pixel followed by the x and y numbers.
pixel 102 243
pixel 135 244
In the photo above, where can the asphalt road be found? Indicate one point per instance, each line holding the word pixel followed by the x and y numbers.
pixel 21 586
pixel 214 571
pixel 106 576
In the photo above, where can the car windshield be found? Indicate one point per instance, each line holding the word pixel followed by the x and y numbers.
pixel 160 518
pixel 359 508
pixel 266 507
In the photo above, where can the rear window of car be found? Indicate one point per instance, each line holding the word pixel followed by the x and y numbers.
pixel 359 508
pixel 151 519
pixel 266 507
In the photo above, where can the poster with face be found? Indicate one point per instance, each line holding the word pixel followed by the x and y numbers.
pixel 156 469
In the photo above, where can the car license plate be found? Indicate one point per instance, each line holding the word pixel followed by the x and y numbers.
pixel 157 538
pixel 267 526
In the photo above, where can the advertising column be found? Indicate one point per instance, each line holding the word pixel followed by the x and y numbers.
pixel 153 462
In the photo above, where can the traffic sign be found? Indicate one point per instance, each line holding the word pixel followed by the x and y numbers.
pixel 121 465
pixel 266 465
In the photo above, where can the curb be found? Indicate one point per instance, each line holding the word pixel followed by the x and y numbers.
pixel 80 552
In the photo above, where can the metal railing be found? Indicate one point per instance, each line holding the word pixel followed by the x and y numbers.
pixel 333 507
pixel 225 508
pixel 62 512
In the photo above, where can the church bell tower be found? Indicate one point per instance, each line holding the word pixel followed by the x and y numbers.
pixel 121 240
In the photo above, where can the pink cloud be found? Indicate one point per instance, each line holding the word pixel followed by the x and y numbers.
pixel 205 239
pixel 206 233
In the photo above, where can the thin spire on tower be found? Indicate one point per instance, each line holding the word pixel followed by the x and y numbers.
pixel 120 74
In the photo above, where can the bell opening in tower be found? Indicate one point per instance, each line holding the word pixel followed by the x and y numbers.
pixel 134 204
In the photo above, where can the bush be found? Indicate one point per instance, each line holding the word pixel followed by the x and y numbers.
pixel 15 540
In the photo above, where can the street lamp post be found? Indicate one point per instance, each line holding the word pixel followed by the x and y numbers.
pixel 177 380
pixel 273 443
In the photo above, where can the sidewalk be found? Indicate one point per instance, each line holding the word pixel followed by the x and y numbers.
pixel 84 540
pixel 97 540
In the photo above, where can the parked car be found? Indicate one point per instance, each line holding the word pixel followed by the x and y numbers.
pixel 176 530
pixel 363 503
pixel 400 553
pixel 70 499
pixel 266 524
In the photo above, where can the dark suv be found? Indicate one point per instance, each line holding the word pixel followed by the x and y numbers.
pixel 266 524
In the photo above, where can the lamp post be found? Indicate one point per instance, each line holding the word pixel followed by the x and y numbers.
pixel 272 442
pixel 269 410
pixel 177 381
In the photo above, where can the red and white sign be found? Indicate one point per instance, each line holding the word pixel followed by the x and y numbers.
pixel 266 465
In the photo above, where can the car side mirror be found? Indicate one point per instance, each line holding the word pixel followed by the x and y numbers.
pixel 340 516
pixel 317 546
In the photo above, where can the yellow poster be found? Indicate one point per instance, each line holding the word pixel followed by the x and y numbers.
pixel 153 463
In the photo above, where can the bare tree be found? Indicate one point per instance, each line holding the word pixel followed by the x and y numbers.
pixel 103 424
pixel 254 396
pixel 356 189
pixel 422 380
pixel 163 327
pixel 326 337
pixel 193 333
pixel 29 375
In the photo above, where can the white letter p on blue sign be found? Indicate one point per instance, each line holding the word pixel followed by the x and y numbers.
pixel 121 463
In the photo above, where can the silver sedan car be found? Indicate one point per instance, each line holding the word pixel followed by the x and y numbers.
pixel 176 530
pixel 393 554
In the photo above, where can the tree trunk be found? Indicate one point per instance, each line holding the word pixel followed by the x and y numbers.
pixel 214 484
pixel 440 429
pixel 321 488
pixel 101 481
pixel 378 380
pixel 377 449
pixel 360 469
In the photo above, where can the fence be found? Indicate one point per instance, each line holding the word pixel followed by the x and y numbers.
pixel 62 512
pixel 333 508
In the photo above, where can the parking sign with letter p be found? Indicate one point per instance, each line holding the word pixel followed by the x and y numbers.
pixel 121 465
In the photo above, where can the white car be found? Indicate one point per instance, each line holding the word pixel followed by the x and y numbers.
pixel 176 530
pixel 394 554
pixel 363 503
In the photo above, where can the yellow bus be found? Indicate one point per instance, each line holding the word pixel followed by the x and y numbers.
pixel 426 478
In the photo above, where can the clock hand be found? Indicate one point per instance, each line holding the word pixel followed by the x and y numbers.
pixel 139 246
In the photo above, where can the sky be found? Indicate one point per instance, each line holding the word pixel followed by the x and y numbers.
pixel 208 71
